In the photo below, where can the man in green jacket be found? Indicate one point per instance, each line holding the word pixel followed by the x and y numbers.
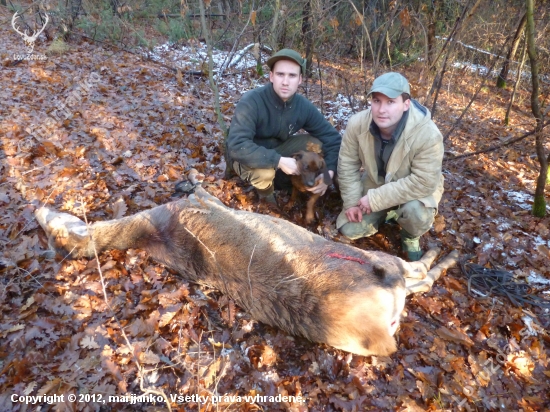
pixel 262 137
pixel 389 166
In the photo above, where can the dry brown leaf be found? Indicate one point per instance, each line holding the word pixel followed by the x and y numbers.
pixel 119 208
pixel 149 358
pixel 522 363
pixel 269 356
pixel 88 342
pixel 50 386
pixel 439 223
pixel 29 302
pixel 210 373
pixel 166 317
pixel 431 305
pixel 456 336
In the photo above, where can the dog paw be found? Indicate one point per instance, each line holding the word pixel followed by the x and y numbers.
pixel 309 219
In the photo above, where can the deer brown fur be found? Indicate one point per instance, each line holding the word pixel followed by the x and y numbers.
pixel 282 274
pixel 310 165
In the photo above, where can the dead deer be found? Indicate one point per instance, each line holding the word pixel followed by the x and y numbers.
pixel 282 274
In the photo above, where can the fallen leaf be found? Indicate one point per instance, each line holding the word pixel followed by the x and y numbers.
pixel 456 336
pixel 119 208
pixel 89 343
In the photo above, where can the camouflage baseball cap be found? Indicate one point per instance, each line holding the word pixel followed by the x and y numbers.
pixel 390 84
pixel 287 54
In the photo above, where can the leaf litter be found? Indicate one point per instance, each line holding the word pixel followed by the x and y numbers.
pixel 122 147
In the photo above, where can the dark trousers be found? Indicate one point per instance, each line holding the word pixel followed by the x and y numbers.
pixel 262 179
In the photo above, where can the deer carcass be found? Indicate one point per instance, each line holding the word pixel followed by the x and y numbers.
pixel 282 274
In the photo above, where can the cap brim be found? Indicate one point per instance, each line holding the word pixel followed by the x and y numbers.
pixel 386 91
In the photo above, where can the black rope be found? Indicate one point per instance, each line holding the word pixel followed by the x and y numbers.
pixel 495 281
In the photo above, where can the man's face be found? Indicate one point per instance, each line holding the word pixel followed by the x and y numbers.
pixel 387 112
pixel 286 77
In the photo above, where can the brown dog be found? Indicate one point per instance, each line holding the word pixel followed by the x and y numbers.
pixel 310 165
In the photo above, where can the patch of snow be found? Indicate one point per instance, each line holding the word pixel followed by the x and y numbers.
pixel 270 376
pixel 489 245
pixel 503 225
pixel 341 108
pixel 529 322
pixel 521 199
pixel 195 55
pixel 474 68
pixel 534 277
pixel 539 241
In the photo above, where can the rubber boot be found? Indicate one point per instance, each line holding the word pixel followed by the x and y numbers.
pixel 411 246
pixel 267 196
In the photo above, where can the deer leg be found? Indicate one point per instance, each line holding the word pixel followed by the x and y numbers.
pixel 425 285
pixel 420 268
pixel 68 235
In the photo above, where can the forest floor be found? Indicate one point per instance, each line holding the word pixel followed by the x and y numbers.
pixel 121 129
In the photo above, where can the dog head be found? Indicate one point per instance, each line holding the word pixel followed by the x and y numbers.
pixel 311 165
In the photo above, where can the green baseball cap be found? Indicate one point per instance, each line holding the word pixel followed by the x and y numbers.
pixel 390 84
pixel 287 54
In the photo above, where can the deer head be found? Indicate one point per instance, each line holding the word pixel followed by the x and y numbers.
pixel 29 40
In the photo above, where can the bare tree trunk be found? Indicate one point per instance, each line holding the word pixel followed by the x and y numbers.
pixel 438 81
pixel 74 7
pixel 501 80
pixel 452 38
pixel 539 205
pixel 384 38
pixel 213 85
pixel 489 71
pixel 516 84
pixel 366 31
pixel 275 25
pixel 307 32
pixel 431 32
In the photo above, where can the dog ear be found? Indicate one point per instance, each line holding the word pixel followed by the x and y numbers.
pixel 298 155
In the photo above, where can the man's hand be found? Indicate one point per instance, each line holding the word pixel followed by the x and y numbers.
pixel 354 214
pixel 320 185
pixel 364 204
pixel 289 166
